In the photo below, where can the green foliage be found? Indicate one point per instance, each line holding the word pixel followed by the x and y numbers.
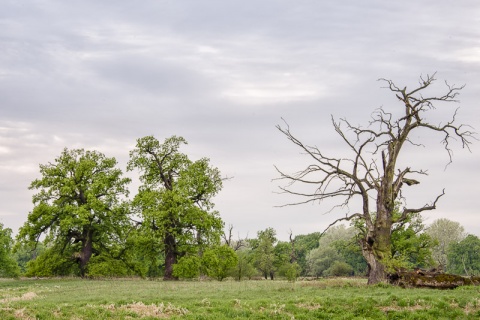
pixel 78 206
pixel 263 250
pixel 175 199
pixel 291 271
pixel 105 266
pixel 24 252
pixel 411 246
pixel 337 247
pixel 8 265
pixel 339 269
pixel 464 256
pixel 218 261
pixel 187 267
pixel 50 263
pixel 303 245
pixel 244 267
pixel 321 259
pixel 351 253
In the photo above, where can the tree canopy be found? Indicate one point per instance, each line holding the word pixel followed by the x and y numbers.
pixel 175 199
pixel 78 207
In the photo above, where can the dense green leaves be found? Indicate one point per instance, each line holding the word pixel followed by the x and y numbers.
pixel 218 261
pixel 8 265
pixel 77 207
pixel 175 199
pixel 464 256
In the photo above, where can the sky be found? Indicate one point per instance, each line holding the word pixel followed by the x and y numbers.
pixel 100 74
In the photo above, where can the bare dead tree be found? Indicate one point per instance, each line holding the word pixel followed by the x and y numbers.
pixel 371 173
pixel 229 241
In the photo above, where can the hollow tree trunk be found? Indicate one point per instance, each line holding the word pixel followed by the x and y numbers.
pixel 376 270
pixel 170 257
pixel 376 247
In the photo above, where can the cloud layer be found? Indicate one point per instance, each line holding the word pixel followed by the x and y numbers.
pixel 99 75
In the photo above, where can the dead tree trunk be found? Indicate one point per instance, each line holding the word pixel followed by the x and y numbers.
pixel 372 171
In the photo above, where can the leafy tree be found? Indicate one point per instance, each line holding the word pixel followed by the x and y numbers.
pixel 78 207
pixel 337 245
pixel 263 248
pixel 464 256
pixel 351 253
pixel 339 269
pixel 175 199
pixel 218 261
pixel 320 260
pixel 372 171
pixel 284 259
pixel 244 267
pixel 411 246
pixel 8 265
pixel 303 245
pixel 106 266
pixel 24 253
pixel 187 267
pixel 53 261
pixel 444 232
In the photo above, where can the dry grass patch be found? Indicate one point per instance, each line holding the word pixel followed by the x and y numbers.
pixel 156 311
pixel 309 306
pixel 26 296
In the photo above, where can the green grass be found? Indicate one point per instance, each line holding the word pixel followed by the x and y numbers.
pixel 143 299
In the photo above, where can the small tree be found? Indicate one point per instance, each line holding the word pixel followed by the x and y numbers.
pixel 263 248
pixel 218 261
pixel 372 171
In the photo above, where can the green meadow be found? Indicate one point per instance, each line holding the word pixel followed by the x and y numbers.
pixel 144 299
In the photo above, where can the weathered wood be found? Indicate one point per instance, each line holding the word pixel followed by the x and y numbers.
pixel 430 279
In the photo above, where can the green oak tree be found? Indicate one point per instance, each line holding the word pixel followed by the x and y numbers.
pixel 78 207
pixel 174 200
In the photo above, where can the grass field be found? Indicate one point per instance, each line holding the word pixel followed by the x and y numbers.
pixel 144 299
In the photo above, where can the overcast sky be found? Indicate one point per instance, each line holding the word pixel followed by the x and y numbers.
pixel 100 74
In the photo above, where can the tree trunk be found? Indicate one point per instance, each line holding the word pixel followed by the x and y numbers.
pixel 170 257
pixel 86 252
pixel 376 247
pixel 376 270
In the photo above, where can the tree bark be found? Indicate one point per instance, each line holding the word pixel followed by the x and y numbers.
pixel 170 257
pixel 86 252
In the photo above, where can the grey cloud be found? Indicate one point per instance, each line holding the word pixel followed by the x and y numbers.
pixel 100 74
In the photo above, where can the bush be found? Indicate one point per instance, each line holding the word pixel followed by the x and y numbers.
pixel 51 263
pixel 187 267
pixel 104 266
pixel 219 261
pixel 339 269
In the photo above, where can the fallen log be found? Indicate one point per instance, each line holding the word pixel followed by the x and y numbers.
pixel 426 279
